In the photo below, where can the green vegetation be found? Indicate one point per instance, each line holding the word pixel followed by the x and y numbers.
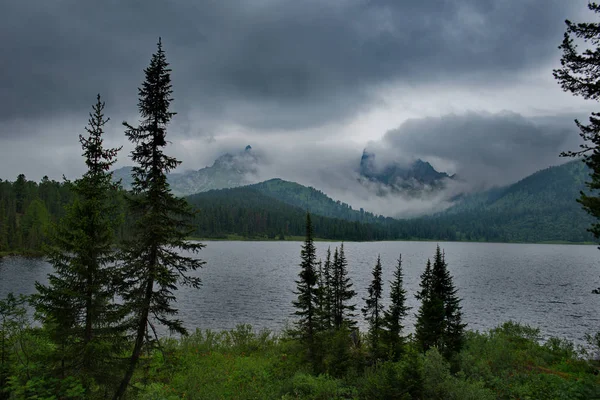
pixel 78 302
pixel 541 209
pixel 314 201
pixel 579 75
pixel 27 211
pixel 505 363
pixel 151 266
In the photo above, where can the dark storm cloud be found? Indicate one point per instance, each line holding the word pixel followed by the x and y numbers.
pixel 264 63
pixel 484 149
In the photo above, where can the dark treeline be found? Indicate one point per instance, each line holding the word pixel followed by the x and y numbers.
pixel 27 210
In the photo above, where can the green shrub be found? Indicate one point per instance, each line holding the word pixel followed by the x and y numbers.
pixel 322 387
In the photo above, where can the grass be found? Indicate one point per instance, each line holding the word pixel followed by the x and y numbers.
pixel 505 363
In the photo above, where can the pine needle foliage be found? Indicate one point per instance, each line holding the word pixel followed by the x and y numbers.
pixel 157 259
pixel 394 316
pixel 307 290
pixel 373 310
pixel 579 74
pixel 439 320
pixel 343 310
pixel 78 306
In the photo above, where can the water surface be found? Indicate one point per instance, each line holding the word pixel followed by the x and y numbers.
pixel 547 286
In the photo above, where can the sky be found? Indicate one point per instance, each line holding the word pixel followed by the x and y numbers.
pixel 464 84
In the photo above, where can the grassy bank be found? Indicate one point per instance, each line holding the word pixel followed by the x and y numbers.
pixel 505 363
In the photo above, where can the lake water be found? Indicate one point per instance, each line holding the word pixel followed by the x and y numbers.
pixel 546 286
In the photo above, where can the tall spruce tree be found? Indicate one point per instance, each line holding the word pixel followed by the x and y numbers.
pixel 393 317
pixel 373 310
pixel 307 303
pixel 153 265
pixel 428 327
pixel 453 334
pixel 580 75
pixel 326 293
pixel 439 320
pixel 78 305
pixel 343 310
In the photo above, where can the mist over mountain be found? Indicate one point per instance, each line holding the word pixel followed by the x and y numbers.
pixel 228 171
pixel 412 179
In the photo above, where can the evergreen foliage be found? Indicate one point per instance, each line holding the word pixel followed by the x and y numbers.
pixel 326 296
pixel 78 303
pixel 439 321
pixel 394 315
pixel 343 309
pixel 152 266
pixel 374 310
pixel 579 75
pixel 307 290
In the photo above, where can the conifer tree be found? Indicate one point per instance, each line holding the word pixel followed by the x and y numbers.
pixel 326 293
pixel 453 333
pixel 343 310
pixel 306 286
pixel 396 312
pixel 3 227
pixel 78 304
pixel 428 328
pixel 439 320
pixel 373 310
pixel 579 74
pixel 152 263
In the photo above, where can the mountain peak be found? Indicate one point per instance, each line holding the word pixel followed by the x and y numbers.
pixel 399 176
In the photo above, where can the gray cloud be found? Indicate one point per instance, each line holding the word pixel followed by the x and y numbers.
pixel 484 149
pixel 263 64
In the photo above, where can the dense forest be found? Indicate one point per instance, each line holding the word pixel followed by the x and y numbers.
pixel 539 208
pixel 27 210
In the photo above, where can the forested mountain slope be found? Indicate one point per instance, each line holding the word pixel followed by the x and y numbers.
pixel 314 201
pixel 540 207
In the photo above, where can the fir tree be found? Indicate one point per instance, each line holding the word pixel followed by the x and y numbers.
pixel 343 311
pixel 152 264
pixel 306 304
pixel 439 320
pixel 395 314
pixel 373 310
pixel 78 304
pixel 453 333
pixel 429 317
pixel 326 293
pixel 579 74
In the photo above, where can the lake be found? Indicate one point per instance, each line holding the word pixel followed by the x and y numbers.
pixel 546 286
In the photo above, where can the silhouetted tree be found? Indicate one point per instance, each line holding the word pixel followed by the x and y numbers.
pixel 439 320
pixel 373 310
pixel 343 310
pixel 306 288
pixel 152 263
pixel 78 305
pixel 398 310
pixel 580 75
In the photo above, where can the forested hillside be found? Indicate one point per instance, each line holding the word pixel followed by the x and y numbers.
pixel 541 207
pixel 314 201
pixel 249 213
